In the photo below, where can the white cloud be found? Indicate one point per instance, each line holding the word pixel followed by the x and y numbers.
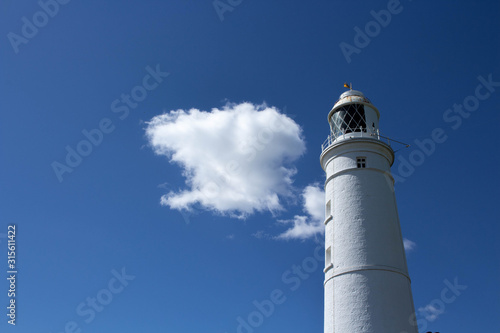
pixel 431 313
pixel 409 245
pixel 260 234
pixel 236 160
pixel 306 226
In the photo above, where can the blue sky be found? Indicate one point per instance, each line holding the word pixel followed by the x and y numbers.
pixel 201 265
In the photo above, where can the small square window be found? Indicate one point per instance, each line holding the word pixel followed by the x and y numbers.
pixel 361 162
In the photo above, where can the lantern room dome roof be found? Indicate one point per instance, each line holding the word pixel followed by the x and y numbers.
pixel 352 93
pixel 351 97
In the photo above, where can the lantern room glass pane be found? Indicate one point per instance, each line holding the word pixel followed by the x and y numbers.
pixel 349 118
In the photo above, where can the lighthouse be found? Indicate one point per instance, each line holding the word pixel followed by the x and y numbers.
pixel 367 286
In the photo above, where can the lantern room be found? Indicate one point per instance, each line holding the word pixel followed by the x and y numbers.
pixel 353 115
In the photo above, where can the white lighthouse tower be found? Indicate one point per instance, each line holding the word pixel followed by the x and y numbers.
pixel 367 287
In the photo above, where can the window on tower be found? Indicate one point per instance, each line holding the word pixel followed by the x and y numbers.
pixel 328 256
pixel 361 162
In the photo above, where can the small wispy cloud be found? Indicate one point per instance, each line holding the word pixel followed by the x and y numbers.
pixel 409 245
pixel 311 224
pixel 260 234
pixel 430 312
